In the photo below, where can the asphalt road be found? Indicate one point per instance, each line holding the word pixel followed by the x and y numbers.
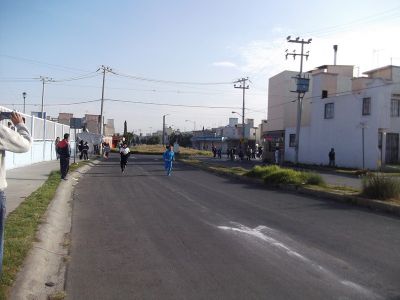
pixel 194 235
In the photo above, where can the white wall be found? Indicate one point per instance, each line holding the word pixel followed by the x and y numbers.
pixel 43 134
pixel 344 132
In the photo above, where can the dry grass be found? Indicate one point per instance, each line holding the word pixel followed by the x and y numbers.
pixel 159 149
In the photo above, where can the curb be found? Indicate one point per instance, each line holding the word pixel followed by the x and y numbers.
pixel 376 205
pixel 43 272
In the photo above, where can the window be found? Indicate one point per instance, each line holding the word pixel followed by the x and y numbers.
pixel 292 140
pixel 366 106
pixel 395 105
pixel 329 110
pixel 324 94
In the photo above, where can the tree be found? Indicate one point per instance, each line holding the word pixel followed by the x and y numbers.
pixel 125 129
pixel 153 140
pixel 183 139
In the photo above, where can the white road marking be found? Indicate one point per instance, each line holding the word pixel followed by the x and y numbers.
pixel 258 232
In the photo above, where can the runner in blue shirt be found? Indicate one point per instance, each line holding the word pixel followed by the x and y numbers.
pixel 168 157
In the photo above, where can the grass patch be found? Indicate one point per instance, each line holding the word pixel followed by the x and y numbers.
pixel 277 175
pixel 382 187
pixel 22 225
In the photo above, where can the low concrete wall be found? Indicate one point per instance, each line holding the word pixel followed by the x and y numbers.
pixel 40 151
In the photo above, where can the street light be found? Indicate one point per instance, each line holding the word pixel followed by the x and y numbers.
pixel 163 129
pixel 194 124
pixel 24 96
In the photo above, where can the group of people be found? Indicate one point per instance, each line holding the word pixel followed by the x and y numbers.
pixel 250 153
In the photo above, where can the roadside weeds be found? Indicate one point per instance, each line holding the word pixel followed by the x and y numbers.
pixel 336 193
pixel 22 226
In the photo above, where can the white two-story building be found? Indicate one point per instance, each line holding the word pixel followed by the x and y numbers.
pixel 358 117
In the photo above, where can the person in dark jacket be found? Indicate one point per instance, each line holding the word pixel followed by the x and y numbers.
pixel 85 150
pixel 64 150
pixel 332 157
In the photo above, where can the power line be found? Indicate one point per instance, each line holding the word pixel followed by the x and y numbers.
pixel 367 19
pixel 56 66
pixel 170 104
pixel 169 81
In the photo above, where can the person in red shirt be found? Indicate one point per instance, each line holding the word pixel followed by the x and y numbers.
pixel 64 150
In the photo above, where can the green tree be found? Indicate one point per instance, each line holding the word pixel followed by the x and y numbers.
pixel 153 140
pixel 125 129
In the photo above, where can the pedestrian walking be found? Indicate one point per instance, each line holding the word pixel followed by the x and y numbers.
pixel 106 149
pixel 124 153
pixel 18 141
pixel 64 150
pixel 219 152
pixel 168 157
pixel 56 146
pixel 332 157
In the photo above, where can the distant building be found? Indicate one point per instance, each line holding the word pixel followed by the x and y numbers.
pixel 92 123
pixel 64 118
pixel 282 111
pixel 109 129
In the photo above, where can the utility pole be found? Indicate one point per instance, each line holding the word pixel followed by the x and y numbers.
pixel 43 80
pixel 104 70
pixel 24 96
pixel 241 84
pixel 302 87
pixel 163 128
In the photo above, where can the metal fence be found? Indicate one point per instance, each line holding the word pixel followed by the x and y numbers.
pixel 44 134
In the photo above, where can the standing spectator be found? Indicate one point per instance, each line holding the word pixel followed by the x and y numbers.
pixel 277 156
pixel 219 152
pixel 168 157
pixel 332 157
pixel 228 153
pixel 260 151
pixel 56 146
pixel 241 154
pixel 248 153
pixel 80 149
pixel 233 153
pixel 14 141
pixel 85 150
pixel 64 150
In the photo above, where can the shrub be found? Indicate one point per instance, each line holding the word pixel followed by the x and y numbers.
pixel 262 171
pixel 313 178
pixel 284 176
pixel 382 187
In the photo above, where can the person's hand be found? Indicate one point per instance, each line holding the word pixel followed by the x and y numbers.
pixel 16 118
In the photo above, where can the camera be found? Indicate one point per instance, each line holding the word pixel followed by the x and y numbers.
pixel 5 115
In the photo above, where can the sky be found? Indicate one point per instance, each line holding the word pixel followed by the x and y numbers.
pixel 178 58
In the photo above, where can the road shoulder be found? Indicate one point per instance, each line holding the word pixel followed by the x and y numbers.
pixel 43 272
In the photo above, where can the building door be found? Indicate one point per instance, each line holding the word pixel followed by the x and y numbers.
pixel 392 148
